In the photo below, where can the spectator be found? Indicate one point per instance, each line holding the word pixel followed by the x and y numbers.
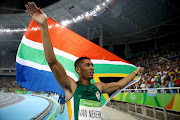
pixel 162 86
pixel 171 84
pixel 147 85
pixel 159 78
pixel 163 76
pixel 167 77
pixel 152 79
pixel 152 85
pixel 156 84
pixel 178 69
pixel 143 85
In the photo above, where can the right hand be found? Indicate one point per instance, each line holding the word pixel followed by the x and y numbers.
pixel 37 15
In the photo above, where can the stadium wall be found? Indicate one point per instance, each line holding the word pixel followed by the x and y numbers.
pixel 163 100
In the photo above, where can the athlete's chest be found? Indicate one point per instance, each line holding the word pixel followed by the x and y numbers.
pixel 96 96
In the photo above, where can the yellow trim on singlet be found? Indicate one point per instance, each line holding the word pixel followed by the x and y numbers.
pixel 69 109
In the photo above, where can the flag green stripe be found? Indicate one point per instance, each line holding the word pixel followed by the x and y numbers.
pixel 27 53
pixel 31 54
pixel 37 56
pixel 109 68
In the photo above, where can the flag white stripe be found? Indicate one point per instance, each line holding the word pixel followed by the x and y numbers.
pixel 41 67
pixel 39 46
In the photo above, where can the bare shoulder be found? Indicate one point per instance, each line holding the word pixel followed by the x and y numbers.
pixel 99 85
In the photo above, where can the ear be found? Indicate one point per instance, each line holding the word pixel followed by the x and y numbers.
pixel 78 70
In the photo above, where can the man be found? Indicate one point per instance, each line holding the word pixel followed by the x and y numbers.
pixel 61 101
pixel 156 84
pixel 81 95
pixel 143 85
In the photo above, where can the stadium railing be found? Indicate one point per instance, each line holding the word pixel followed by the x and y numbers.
pixel 159 90
pixel 146 111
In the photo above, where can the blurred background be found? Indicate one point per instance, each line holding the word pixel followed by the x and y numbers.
pixel 143 32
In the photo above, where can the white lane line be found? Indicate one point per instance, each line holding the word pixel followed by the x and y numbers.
pixel 1 96
pixel 14 103
pixel 6 98
pixel 10 101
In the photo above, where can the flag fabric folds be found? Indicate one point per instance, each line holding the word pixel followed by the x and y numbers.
pixel 33 72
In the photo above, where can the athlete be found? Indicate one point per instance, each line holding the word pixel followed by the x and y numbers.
pixel 82 97
pixel 61 101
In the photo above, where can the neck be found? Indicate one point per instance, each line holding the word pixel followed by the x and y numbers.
pixel 84 81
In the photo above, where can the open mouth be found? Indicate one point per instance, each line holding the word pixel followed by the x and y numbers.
pixel 92 73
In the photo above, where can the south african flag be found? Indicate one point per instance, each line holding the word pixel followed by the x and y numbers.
pixel 33 72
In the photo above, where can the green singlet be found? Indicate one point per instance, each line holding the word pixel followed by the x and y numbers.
pixel 85 103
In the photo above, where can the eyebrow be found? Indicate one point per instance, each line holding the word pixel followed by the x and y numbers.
pixel 90 63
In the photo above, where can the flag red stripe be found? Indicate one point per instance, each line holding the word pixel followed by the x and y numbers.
pixel 69 41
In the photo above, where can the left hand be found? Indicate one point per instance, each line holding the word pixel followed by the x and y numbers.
pixel 140 70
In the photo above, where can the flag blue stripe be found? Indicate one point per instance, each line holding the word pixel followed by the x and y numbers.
pixel 37 80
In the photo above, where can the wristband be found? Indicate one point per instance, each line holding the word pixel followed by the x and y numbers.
pixel 135 72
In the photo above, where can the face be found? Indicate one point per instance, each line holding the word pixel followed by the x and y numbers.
pixel 86 70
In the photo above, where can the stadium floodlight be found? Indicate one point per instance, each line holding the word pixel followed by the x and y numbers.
pixel 12 30
pixel 87 14
pixel 78 18
pixel 64 23
pixel 73 20
pixel 97 7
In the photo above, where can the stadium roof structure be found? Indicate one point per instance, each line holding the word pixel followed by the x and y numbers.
pixel 123 21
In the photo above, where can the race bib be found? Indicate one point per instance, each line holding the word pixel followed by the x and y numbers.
pixel 89 110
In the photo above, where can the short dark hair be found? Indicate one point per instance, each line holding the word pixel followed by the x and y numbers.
pixel 79 61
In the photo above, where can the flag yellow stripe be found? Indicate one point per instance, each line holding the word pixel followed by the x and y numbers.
pixel 97 75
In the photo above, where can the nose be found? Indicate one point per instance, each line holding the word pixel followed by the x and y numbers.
pixel 92 68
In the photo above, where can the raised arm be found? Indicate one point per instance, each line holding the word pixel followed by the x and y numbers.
pixel 40 17
pixel 111 87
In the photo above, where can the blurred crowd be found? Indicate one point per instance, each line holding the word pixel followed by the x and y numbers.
pixel 161 75
pixel 155 55
pixel 162 68
pixel 9 83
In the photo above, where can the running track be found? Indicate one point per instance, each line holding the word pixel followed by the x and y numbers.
pixel 20 107
pixel 7 99
pixel 25 106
